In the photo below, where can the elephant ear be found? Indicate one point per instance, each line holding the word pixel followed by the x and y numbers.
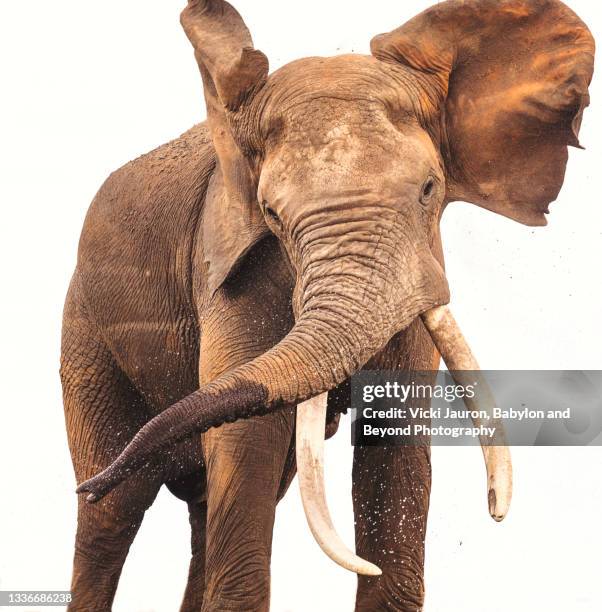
pixel 232 72
pixel 510 79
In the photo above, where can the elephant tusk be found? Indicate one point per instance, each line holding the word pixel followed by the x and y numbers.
pixel 458 358
pixel 311 421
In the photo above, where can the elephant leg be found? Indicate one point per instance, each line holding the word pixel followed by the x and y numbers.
pixel 390 524
pixel 249 463
pixel 102 413
pixel 391 493
pixel 245 463
pixel 195 586
pixel 104 536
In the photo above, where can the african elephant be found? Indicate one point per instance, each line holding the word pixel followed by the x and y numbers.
pixel 258 261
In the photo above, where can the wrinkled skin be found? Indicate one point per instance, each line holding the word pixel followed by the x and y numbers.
pixel 266 256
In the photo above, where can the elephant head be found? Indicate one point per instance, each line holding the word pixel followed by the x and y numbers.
pixel 349 161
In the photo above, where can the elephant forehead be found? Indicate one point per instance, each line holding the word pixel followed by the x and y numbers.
pixel 358 148
pixel 345 78
pixel 329 131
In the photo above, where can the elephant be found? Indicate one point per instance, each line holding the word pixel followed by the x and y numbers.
pixel 231 282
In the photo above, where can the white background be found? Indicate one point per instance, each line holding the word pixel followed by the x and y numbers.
pixel 88 86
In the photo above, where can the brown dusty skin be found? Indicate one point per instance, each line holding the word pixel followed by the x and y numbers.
pixel 264 257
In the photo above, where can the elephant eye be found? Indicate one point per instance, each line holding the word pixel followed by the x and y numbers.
pixel 428 189
pixel 271 214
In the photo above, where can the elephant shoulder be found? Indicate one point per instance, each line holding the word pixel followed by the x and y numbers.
pixel 139 231
pixel 156 185
pixel 152 198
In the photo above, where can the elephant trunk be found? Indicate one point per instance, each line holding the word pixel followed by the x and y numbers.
pixel 349 306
